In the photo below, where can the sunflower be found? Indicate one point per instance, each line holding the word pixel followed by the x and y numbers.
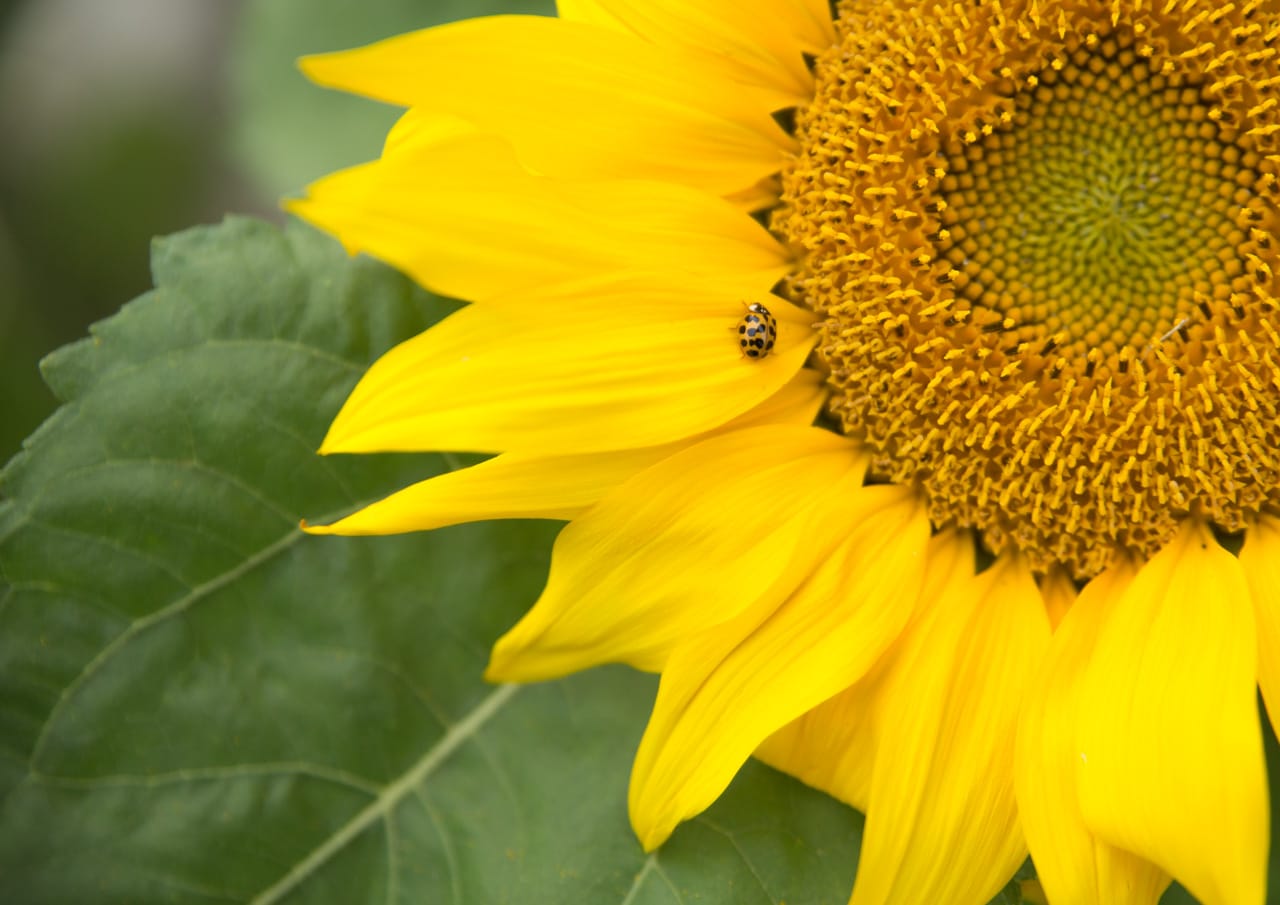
pixel 909 376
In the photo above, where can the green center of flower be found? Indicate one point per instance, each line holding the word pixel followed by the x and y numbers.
pixel 1103 211
pixel 1042 241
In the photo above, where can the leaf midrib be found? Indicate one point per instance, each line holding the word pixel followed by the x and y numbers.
pixel 390 795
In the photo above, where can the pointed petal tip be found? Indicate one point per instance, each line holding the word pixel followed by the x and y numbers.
pixel 516 670
pixel 313 211
pixel 317 67
pixel 516 659
pixel 650 827
pixel 651 842
pixel 315 530
pixel 499 672
pixel 329 445
pixel 346 434
pixel 494 675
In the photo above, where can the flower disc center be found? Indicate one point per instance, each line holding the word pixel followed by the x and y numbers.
pixel 1042 242
pixel 1102 211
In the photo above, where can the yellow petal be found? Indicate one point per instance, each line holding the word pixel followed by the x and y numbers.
pixel 1260 559
pixel 761 43
pixel 821 23
pixel 1074 866
pixel 576 100
pixel 680 547
pixel 764 194
pixel 1170 749
pixel 523 485
pixel 725 690
pixel 942 825
pixel 1059 594
pixel 423 128
pixel 464 219
pixel 597 365
pixel 833 746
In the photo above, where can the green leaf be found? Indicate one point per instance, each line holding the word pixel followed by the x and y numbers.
pixel 287 132
pixel 200 704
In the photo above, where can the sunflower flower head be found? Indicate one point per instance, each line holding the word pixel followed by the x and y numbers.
pixel 1041 241
pixel 786 308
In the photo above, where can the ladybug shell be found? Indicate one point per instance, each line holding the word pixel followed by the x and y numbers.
pixel 757 331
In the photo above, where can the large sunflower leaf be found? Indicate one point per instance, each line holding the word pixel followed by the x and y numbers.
pixel 200 704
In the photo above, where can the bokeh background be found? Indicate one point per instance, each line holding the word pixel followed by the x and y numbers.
pixel 121 120
pixel 114 118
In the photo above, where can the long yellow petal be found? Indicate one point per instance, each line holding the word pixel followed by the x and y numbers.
pixel 1074 866
pixel 761 43
pixel 576 100
pixel 833 746
pixel 524 485
pixel 599 365
pixel 1260 559
pixel 942 825
pixel 727 689
pixel 1170 749
pixel 682 546
pixel 463 218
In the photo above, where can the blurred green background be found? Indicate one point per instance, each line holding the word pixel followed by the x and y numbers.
pixel 121 120
pixel 114 117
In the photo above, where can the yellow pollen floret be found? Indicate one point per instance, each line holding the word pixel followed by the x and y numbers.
pixel 1041 238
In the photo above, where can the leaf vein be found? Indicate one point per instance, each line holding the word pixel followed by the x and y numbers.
pixel 638 883
pixel 662 874
pixel 446 845
pixel 390 796
pixel 391 669
pixel 733 840
pixel 211 774
pixel 157 617
pixel 393 853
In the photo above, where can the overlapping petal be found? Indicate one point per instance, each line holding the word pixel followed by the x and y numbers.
pixel 615 363
pixel 1073 865
pixel 685 545
pixel 463 218
pixel 783 657
pixel 833 746
pixel 576 100
pixel 525 485
pixel 1059 593
pixel 1170 748
pixel 1260 560
pixel 418 128
pixel 942 824
pixel 760 43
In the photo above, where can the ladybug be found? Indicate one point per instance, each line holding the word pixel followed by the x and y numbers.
pixel 757 331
